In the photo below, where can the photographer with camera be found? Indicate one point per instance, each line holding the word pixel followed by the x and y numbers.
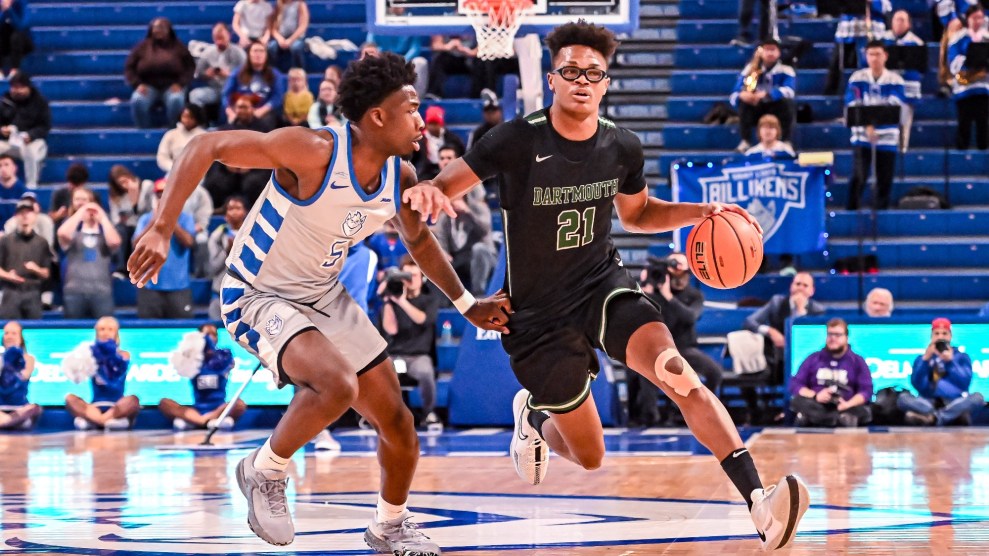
pixel 941 376
pixel 88 239
pixel 667 283
pixel 408 318
pixel 833 386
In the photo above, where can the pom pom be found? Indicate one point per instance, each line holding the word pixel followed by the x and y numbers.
pixel 187 359
pixel 220 361
pixel 79 364
pixel 14 357
pixel 105 350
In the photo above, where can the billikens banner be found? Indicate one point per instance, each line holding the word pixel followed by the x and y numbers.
pixel 787 199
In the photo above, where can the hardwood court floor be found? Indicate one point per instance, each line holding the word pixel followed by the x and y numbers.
pixel 902 492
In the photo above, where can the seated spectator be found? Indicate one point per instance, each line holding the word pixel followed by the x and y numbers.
pixel 453 55
pixel 941 377
pixel 159 68
pixel 171 296
pixel 15 376
pixel 334 74
pixel 11 187
pixel 260 84
pixel 410 47
pixel 901 35
pixel 408 319
pixel 879 303
pixel 769 145
pixel 252 21
pixel 125 192
pixel 222 181
pixel 467 238
pixel 88 239
pixel 288 33
pixel 25 263
pixel 971 86
pixel 76 176
pixel 221 240
pixel 192 122
pixel 208 368
pixel 25 120
pixel 492 115
pixel 436 135
pixel 15 35
pixel 214 66
pixel 765 86
pixel 43 225
pixel 851 36
pixel 833 386
pixel 324 112
pixel 298 98
pixel 106 365
pixel 874 86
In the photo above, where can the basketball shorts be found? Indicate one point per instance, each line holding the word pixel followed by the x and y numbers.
pixel 557 362
pixel 264 324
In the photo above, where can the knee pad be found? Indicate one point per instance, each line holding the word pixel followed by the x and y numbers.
pixel 681 383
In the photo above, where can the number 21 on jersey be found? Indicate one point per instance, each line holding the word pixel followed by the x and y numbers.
pixel 336 251
pixel 570 235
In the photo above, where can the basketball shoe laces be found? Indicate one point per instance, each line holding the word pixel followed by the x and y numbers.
pixel 274 493
pixel 406 531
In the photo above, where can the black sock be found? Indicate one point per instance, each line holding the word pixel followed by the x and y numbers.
pixel 741 470
pixel 536 419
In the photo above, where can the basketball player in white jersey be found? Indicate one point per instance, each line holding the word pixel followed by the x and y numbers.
pixel 282 300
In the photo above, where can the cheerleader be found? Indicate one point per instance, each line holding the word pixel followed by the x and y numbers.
pixel 105 364
pixel 15 411
pixel 208 367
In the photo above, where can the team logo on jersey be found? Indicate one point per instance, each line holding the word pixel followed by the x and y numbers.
pixel 184 522
pixel 274 325
pixel 353 223
pixel 767 191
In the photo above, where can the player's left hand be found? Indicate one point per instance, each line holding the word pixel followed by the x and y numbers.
pixel 427 199
pixel 491 313
pixel 711 209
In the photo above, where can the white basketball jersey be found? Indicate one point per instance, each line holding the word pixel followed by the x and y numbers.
pixel 296 249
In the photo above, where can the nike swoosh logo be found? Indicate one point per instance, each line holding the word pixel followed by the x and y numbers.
pixel 335 186
pixel 521 435
pixel 738 453
pixel 542 158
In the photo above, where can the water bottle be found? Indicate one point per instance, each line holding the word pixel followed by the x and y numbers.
pixel 446 336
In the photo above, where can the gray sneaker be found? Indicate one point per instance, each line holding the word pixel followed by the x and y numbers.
pixel 400 537
pixel 267 507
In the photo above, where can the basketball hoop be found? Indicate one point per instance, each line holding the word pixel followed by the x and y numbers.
pixel 495 23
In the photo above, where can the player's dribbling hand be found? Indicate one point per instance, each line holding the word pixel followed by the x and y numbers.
pixel 427 199
pixel 149 255
pixel 491 313
pixel 714 208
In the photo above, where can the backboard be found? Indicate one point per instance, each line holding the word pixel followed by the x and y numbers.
pixel 428 17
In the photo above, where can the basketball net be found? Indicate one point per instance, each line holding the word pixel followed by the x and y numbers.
pixel 495 23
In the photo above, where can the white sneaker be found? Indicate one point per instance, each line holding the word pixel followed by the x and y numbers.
pixel 81 424
pixel 117 425
pixel 776 511
pixel 324 441
pixel 226 424
pixel 529 451
pixel 180 425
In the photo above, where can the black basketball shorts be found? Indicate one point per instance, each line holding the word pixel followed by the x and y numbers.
pixel 557 362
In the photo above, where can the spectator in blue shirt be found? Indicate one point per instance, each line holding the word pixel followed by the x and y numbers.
pixel 970 84
pixel 171 296
pixel 15 34
pixel 258 81
pixel 834 385
pixel 11 187
pixel 941 377
pixel 765 86
pixel 389 248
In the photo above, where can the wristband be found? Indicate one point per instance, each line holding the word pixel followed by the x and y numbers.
pixel 464 302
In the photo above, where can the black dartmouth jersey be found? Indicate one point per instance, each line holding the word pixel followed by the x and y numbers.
pixel 557 200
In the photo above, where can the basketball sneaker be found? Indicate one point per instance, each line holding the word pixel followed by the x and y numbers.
pixel 777 510
pixel 399 536
pixel 120 424
pixel 81 424
pixel 267 507
pixel 529 450
pixel 226 424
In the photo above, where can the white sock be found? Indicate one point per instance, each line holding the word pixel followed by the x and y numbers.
pixel 266 459
pixel 388 512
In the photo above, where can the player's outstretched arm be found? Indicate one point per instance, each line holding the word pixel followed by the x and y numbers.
pixel 454 181
pixel 643 214
pixel 490 313
pixel 236 148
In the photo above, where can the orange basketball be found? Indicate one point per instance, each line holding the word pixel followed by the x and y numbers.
pixel 724 250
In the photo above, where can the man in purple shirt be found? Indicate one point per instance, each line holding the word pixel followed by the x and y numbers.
pixel 941 376
pixel 834 385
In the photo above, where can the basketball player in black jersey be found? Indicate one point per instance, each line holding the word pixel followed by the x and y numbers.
pixel 562 171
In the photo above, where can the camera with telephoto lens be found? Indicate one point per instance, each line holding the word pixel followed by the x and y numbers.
pixel 395 280
pixel 941 346
pixel 657 270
